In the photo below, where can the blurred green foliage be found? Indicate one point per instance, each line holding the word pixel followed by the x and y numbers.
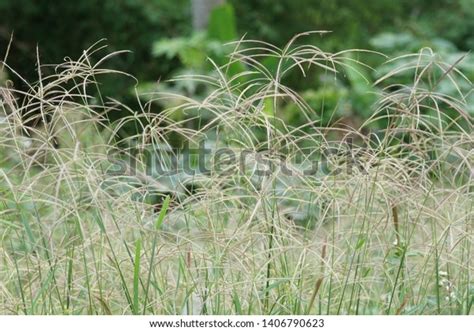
pixel 66 28
pixel 160 35
pixel 355 22
pixel 194 53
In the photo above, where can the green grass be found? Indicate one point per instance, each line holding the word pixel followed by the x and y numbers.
pixel 391 236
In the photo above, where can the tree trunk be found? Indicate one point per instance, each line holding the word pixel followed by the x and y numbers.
pixel 201 10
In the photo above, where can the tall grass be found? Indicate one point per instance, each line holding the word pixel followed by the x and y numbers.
pixel 387 230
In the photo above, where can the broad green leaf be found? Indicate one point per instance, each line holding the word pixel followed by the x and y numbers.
pixel 161 216
pixel 222 24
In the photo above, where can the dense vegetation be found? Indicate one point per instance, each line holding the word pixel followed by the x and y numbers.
pixel 67 28
pixel 300 176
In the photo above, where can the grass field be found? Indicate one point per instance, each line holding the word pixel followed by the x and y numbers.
pixel 383 224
